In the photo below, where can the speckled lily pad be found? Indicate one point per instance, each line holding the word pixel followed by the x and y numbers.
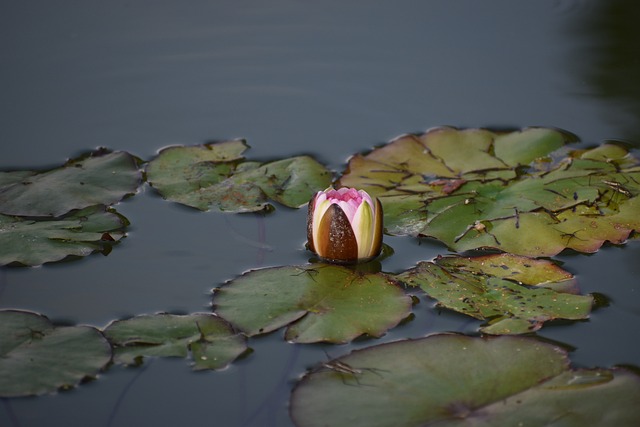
pixel 520 192
pixel 515 294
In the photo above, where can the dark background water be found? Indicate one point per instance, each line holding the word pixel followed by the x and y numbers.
pixel 328 78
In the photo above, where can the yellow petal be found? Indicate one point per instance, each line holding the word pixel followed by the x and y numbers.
pixel 319 211
pixel 376 240
pixel 363 229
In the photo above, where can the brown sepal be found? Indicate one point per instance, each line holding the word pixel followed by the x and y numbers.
pixel 337 239
pixel 312 208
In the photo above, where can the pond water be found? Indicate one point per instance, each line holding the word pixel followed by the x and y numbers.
pixel 328 78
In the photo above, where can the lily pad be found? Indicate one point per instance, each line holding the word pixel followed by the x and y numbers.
pixel 100 178
pixel 217 176
pixel 522 270
pixel 319 302
pixel 453 380
pixel 36 357
pixel 510 191
pixel 212 342
pixel 33 242
pixel 516 294
pixel 598 397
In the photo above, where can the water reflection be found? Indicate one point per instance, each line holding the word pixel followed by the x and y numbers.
pixel 613 50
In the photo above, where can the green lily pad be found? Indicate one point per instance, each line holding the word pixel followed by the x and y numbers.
pixel 33 242
pixel 510 191
pixel 212 342
pixel 217 176
pixel 516 294
pixel 319 302
pixel 454 380
pixel 36 357
pixel 598 397
pixel 100 178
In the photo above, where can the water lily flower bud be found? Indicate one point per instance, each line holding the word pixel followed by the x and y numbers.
pixel 344 225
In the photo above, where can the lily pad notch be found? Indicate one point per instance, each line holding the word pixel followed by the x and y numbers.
pixel 316 303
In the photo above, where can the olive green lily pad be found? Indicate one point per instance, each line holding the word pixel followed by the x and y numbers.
pixel 36 357
pixel 100 178
pixel 598 397
pixel 37 241
pixel 522 270
pixel 454 380
pixel 320 302
pixel 217 176
pixel 211 341
pixel 515 294
pixel 520 192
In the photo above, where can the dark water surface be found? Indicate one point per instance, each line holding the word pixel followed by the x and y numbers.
pixel 328 78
